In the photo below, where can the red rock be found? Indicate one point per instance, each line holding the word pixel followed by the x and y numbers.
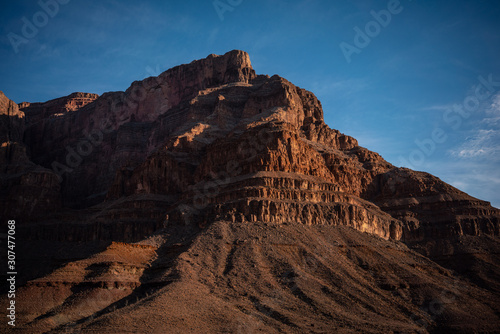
pixel 210 148
pixel 37 112
pixel 214 122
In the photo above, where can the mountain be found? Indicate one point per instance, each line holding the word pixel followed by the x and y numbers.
pixel 210 199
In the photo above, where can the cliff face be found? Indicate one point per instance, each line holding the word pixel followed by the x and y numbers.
pixel 37 112
pixel 121 128
pixel 213 139
pixel 26 190
pixel 211 143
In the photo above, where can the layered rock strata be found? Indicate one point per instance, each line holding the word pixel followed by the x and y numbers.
pixel 205 133
pixel 237 203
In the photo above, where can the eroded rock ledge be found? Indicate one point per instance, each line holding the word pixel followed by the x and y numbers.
pixel 212 140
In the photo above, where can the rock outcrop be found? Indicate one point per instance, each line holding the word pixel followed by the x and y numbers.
pixel 208 144
pixel 38 111
pixel 203 134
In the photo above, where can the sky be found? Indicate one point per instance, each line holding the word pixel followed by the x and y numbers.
pixel 416 81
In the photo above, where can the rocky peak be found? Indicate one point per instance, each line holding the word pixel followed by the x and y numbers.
pixel 174 135
pixel 183 82
pixel 237 191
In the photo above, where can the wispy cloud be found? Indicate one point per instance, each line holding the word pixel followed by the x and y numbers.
pixel 491 121
pixel 494 108
pixel 484 144
pixel 484 141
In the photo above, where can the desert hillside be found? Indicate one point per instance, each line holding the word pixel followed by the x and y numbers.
pixel 211 199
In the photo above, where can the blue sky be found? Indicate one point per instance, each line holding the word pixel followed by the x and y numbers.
pixel 402 94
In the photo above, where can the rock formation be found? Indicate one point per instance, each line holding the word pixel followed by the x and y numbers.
pixel 203 163
pixel 58 107
pixel 27 190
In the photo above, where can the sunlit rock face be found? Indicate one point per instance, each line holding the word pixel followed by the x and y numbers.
pixel 210 192
pixel 213 140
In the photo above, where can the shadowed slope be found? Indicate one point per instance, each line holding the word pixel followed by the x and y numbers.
pixel 250 278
